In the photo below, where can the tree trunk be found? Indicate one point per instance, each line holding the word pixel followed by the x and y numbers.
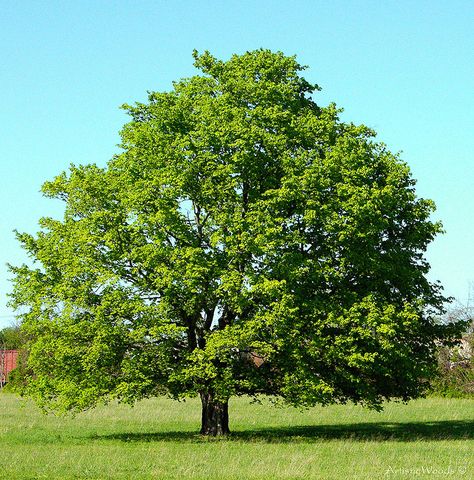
pixel 215 416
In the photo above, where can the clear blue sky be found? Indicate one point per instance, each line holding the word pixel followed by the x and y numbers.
pixel 404 68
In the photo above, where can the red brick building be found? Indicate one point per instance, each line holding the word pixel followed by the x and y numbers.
pixel 8 361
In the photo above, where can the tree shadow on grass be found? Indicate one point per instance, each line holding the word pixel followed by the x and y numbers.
pixel 376 432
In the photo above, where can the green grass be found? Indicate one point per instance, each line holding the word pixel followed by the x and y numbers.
pixel 431 438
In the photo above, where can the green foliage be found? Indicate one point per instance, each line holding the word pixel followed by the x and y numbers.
pixel 11 338
pixel 18 377
pixel 240 218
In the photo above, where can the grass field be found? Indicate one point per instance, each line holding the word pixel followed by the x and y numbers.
pixel 431 438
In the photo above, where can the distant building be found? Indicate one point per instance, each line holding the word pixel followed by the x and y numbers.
pixel 8 361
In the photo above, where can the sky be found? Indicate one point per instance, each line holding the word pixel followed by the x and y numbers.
pixel 404 68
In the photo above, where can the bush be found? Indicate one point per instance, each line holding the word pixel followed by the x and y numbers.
pixel 456 370
pixel 11 338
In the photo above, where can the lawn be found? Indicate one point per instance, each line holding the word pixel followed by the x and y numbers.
pixel 430 438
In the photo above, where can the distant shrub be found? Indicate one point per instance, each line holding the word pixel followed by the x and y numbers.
pixel 456 370
pixel 11 338
pixel 18 376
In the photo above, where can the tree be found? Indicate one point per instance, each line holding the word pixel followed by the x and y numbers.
pixel 245 241
pixel 11 338
pixel 455 377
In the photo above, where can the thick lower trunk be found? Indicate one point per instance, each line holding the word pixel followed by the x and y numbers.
pixel 215 416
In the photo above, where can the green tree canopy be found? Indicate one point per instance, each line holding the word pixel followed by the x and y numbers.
pixel 11 338
pixel 245 241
